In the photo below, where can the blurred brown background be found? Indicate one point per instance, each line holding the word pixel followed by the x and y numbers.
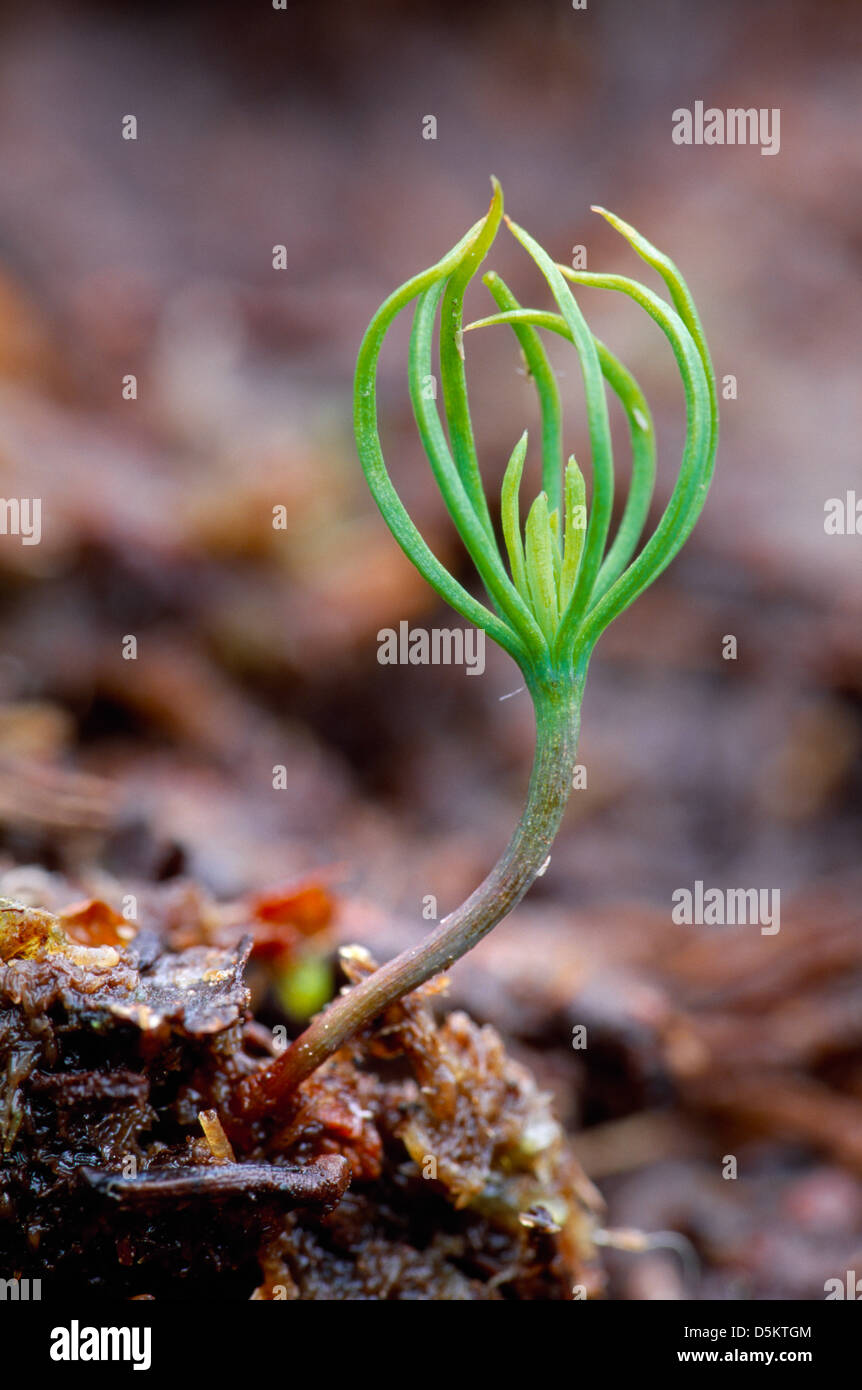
pixel 258 647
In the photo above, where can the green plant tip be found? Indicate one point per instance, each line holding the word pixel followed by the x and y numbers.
pixel 555 585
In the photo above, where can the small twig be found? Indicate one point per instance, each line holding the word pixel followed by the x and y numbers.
pixel 321 1183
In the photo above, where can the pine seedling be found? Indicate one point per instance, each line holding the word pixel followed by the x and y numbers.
pixel 554 585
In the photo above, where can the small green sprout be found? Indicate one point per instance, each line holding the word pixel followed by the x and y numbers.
pixel 304 986
pixel 555 584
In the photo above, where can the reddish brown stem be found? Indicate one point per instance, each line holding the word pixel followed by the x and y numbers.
pixel 557 720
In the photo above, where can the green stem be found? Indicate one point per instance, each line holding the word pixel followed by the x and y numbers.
pixel 557 700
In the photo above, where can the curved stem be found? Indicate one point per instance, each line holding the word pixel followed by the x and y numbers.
pixel 557 700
